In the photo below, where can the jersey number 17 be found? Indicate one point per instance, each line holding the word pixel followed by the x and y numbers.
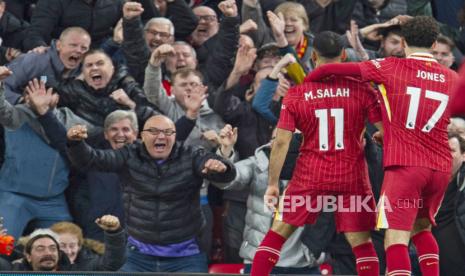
pixel 415 94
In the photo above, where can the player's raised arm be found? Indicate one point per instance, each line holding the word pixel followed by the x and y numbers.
pixel 337 69
pixel 277 157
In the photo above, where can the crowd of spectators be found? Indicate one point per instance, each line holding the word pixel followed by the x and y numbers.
pixel 146 126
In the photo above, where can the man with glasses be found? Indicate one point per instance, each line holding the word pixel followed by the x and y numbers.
pixel 161 180
pixel 208 25
pixel 215 55
pixel 158 30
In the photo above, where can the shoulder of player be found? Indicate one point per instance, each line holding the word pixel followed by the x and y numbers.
pixel 378 62
pixel 333 81
pixel 450 74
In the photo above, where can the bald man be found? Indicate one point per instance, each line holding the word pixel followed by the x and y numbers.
pixel 61 61
pixel 161 180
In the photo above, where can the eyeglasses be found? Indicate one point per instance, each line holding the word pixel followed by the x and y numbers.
pixel 207 18
pixel 155 131
pixel 163 35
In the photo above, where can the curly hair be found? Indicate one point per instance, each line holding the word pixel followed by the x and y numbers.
pixel 420 31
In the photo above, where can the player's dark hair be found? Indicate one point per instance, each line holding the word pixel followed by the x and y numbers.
pixel 394 29
pixel 420 31
pixel 328 44
pixel 459 139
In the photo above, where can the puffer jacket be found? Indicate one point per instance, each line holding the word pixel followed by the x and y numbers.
pixel 51 17
pixel 94 105
pixel 162 201
pixel 253 173
pixel 12 30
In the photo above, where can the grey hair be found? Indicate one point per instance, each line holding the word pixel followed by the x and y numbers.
pixel 180 42
pixel 160 20
pixel 119 115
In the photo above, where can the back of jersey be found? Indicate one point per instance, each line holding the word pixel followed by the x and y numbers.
pixel 416 92
pixel 331 116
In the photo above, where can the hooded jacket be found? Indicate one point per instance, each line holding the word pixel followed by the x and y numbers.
pixel 252 173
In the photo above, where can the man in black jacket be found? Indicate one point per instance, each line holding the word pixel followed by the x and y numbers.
pixel 98 17
pixel 161 182
pixel 103 90
pixel 213 58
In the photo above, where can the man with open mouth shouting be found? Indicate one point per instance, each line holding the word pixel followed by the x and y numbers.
pixel 161 180
pixel 61 61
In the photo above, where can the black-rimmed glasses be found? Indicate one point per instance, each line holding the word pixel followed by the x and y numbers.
pixel 156 131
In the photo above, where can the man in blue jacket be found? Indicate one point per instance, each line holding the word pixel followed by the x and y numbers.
pixel 34 175
pixel 61 61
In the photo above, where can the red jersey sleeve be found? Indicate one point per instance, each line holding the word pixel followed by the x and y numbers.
pixel 373 106
pixel 349 69
pixel 286 117
pixel 457 103
pixel 376 70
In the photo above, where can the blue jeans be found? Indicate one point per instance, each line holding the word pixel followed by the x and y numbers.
pixel 139 262
pixel 288 270
pixel 18 210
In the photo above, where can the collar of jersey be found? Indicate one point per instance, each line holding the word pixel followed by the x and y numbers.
pixel 422 56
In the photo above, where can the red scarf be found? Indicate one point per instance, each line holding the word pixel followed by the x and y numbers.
pixel 301 48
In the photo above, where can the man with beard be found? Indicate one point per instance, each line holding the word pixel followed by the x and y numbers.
pixel 42 251
pixel 390 43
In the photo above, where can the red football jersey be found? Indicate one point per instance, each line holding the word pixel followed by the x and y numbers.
pixel 416 91
pixel 331 116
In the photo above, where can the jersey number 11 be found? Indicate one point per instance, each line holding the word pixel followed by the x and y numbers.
pixel 323 136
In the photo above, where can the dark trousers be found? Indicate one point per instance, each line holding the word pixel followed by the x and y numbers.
pixel 233 230
pixel 451 250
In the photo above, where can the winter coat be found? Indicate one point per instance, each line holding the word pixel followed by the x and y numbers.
pixel 135 49
pixel 31 65
pixel 94 105
pixel 112 260
pixel 162 200
pixel 252 173
pixel 51 17
pixel 43 174
pixel 12 30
